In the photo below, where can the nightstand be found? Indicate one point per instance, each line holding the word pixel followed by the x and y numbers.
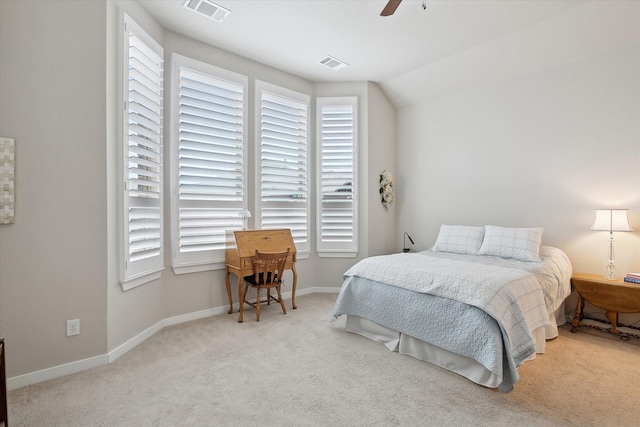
pixel 615 296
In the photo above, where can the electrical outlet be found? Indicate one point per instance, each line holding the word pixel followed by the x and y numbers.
pixel 73 327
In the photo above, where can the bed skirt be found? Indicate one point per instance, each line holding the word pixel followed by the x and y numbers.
pixel 462 365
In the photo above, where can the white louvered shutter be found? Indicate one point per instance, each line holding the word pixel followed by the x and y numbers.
pixel 337 220
pixel 142 163
pixel 283 189
pixel 210 163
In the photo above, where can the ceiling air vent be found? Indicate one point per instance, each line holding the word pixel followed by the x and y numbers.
pixel 333 63
pixel 208 9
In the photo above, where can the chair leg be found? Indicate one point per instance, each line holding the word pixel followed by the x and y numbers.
pixel 268 296
pixel 284 310
pixel 244 294
pixel 257 304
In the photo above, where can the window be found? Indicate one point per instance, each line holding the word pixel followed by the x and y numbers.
pixel 142 245
pixel 283 155
pixel 208 140
pixel 337 187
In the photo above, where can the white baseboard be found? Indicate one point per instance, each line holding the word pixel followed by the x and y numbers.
pixel 56 371
pixel 104 359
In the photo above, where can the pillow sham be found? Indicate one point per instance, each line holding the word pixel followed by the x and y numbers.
pixel 459 239
pixel 517 243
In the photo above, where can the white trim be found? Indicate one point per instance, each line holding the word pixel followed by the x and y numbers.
pixel 184 263
pixel 196 268
pixel 336 254
pixel 133 273
pixel 105 359
pixel 148 333
pixel 346 249
pixel 144 278
pixel 56 371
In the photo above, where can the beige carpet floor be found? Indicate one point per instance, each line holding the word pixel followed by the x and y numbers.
pixel 300 370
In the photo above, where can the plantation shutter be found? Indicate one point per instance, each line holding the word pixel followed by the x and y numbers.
pixel 284 164
pixel 210 163
pixel 142 163
pixel 337 230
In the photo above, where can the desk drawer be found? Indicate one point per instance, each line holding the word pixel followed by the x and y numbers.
pixel 247 263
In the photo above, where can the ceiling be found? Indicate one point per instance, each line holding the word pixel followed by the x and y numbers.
pixel 413 54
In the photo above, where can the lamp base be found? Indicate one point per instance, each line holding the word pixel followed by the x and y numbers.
pixel 611 269
pixel 406 250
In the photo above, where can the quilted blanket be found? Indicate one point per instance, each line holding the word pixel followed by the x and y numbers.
pixel 513 297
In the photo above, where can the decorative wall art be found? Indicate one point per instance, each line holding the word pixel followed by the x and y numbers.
pixel 7 180
pixel 386 189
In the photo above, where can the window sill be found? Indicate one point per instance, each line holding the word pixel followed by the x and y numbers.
pixel 141 280
pixel 196 268
pixel 337 254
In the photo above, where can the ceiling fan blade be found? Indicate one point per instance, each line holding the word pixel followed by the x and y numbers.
pixel 390 8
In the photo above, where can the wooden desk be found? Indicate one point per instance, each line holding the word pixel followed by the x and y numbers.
pixel 615 296
pixel 241 248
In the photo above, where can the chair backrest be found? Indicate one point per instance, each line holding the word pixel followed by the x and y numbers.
pixel 268 266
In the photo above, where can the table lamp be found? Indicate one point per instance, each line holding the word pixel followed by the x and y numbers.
pixel 611 220
pixel 405 248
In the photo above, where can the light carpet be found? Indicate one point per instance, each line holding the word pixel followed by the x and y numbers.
pixel 300 370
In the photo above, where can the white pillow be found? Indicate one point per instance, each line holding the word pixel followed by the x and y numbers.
pixel 459 239
pixel 518 243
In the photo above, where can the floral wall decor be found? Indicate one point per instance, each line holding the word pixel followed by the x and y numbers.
pixel 386 189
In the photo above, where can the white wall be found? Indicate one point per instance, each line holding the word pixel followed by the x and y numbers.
pixel 53 260
pixel 383 236
pixel 543 149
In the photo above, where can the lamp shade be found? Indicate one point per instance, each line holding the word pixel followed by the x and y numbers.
pixel 611 220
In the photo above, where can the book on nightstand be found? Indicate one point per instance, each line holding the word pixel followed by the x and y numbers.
pixel 632 278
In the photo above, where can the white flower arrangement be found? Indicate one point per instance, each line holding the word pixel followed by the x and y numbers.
pixel 386 189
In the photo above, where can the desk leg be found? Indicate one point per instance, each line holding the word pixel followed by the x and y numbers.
pixel 293 290
pixel 577 317
pixel 241 301
pixel 226 282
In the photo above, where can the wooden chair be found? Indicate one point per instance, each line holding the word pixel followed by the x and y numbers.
pixel 268 268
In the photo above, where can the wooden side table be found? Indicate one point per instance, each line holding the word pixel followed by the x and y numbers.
pixel 614 296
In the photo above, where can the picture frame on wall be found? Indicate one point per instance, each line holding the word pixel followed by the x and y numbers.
pixel 7 180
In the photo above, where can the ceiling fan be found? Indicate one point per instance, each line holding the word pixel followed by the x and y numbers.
pixel 392 5
pixel 390 8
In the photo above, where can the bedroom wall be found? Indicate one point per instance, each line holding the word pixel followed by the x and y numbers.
pixel 543 149
pixel 383 236
pixel 53 260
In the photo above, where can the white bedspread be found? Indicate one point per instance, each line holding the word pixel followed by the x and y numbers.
pixel 513 297
pixel 553 273
pixel 519 296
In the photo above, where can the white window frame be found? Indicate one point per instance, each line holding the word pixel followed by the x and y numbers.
pixel 301 236
pixel 231 214
pixel 141 214
pixel 343 246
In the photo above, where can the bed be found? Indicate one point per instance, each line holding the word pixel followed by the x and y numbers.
pixel 480 302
